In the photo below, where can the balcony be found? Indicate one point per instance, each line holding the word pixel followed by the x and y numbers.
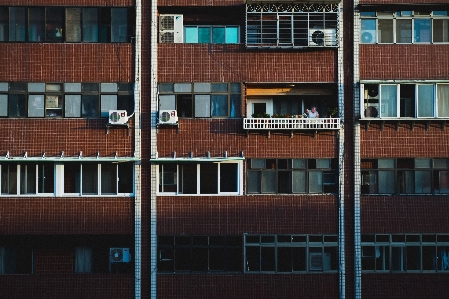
pixel 292 124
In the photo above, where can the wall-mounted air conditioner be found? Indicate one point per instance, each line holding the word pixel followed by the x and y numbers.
pixel 322 37
pixel 171 29
pixel 168 117
pixel 118 117
pixel 119 255
pixel 368 36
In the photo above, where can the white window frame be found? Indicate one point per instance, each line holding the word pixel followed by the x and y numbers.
pixel 198 181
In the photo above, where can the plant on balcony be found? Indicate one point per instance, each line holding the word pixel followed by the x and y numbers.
pixel 332 111
pixel 259 115
pixel 281 115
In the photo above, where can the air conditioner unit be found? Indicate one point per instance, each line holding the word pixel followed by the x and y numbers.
pixel 171 29
pixel 322 37
pixel 118 117
pixel 119 255
pixel 168 117
pixel 319 261
pixel 368 36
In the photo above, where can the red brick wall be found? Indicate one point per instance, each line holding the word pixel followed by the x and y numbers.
pixel 233 63
pixel 259 214
pixel 389 143
pixel 67 286
pixel 66 62
pixel 219 135
pixel 423 62
pixel 377 2
pixel 199 2
pixel 69 135
pixel 66 215
pixel 69 2
pixel 264 286
pixel 53 261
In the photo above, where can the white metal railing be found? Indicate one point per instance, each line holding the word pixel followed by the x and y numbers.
pixel 291 123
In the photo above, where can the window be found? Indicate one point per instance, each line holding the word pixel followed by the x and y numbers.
pixel 291 25
pixel 405 176
pixel 405 253
pixel 211 34
pixel 271 176
pixel 201 99
pixel 58 24
pixel 199 254
pixel 87 100
pixel 404 27
pixel 44 178
pixel 201 178
pixel 290 253
pixel 429 100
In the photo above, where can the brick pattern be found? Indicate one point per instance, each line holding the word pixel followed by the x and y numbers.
pixel 259 214
pixel 66 215
pixel 53 261
pixel 404 214
pixel 219 135
pixel 60 62
pixel 199 2
pixel 247 286
pixel 389 143
pixel 67 286
pixel 234 63
pixel 383 2
pixel 69 2
pixel 53 136
pixel 386 62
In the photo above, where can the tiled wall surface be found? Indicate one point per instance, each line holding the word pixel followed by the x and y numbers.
pixel 404 143
pixel 258 214
pixel 379 2
pixel 199 2
pixel 53 136
pixel 67 286
pixel 219 135
pixel 404 214
pixel 423 62
pixel 70 2
pixel 233 63
pixel 66 215
pixel 264 286
pixel 67 62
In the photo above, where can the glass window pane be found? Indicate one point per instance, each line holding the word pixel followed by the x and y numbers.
pixel 443 100
pixel 36 106
pixel 299 181
pixel 201 87
pixel 323 163
pixel 72 177
pixel 28 179
pixel 386 182
pixel 219 105
pixel 108 87
pixel 4 34
pixel 268 182
pixel 388 99
pixel 72 107
pixel 89 178
pixel 204 35
pixel 440 31
pixel 423 182
pixel 3 86
pixel 73 25
pixel 315 182
pixel 119 28
pixel 236 106
pixel 209 178
pixel 422 31
pixel 17 105
pixel 46 178
pixel 54 17
pixel 89 106
pixel 125 177
pixel 422 163
pixel 36 32
pixel 166 87
pixel 167 102
pixel 53 106
pixel 3 105
pixel 9 178
pixel 202 105
pixel 17 24
pixel 108 178
pixel 72 87
pixel 191 35
pixel 183 87
pixel 267 257
pixel 403 31
pixel 426 100
pixel 219 87
pixel 385 163
pixel 385 31
pixel 90 24
pixel 368 32
pixel 228 177
pixel 218 35
pixel 232 35
pixel 443 181
pixel 36 87
pixel 253 181
pixel 108 102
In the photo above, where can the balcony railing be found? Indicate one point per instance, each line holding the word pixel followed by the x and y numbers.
pixel 291 123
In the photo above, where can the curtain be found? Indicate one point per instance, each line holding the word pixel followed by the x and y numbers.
pixel 83 260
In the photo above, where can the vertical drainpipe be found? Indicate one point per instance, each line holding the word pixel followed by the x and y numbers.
pixel 341 160
pixel 357 174
pixel 153 147
pixel 137 153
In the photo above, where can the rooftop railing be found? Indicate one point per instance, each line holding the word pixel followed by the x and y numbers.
pixel 291 123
